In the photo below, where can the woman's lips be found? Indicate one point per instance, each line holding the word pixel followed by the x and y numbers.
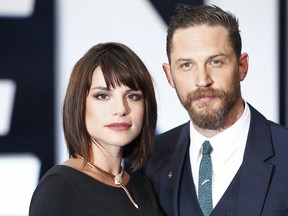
pixel 122 126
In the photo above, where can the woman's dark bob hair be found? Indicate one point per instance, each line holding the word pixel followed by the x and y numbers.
pixel 120 65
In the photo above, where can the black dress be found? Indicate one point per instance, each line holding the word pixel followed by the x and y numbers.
pixel 66 191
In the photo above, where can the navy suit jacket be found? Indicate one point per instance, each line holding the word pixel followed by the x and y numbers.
pixel 260 186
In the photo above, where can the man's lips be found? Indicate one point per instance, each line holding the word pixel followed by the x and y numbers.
pixel 121 126
pixel 204 98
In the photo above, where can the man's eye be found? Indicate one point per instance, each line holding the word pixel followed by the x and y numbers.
pixel 216 62
pixel 186 66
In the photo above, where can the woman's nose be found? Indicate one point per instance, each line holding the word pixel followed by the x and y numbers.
pixel 120 107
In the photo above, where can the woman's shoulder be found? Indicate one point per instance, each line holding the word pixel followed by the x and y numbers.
pixel 60 179
pixel 58 175
pixel 55 193
pixel 60 171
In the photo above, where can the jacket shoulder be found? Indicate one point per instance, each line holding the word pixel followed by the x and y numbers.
pixel 168 138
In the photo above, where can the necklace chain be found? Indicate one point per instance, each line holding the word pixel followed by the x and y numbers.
pixel 118 179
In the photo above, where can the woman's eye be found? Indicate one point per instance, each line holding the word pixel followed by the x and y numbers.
pixel 135 97
pixel 102 96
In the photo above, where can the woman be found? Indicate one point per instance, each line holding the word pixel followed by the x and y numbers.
pixel 109 114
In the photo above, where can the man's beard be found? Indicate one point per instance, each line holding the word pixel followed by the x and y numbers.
pixel 203 115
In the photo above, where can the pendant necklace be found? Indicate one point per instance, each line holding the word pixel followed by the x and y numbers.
pixel 117 179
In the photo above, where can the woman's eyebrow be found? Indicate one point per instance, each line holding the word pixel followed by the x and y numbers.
pixel 99 88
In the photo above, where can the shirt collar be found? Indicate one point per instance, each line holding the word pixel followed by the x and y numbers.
pixel 229 139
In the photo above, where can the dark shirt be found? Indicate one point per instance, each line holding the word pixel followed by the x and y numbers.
pixel 66 191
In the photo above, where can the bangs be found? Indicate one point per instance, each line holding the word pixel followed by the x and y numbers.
pixel 118 70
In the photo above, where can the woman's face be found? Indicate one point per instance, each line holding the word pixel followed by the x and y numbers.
pixel 113 117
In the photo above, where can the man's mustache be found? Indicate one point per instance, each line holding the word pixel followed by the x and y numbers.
pixel 201 93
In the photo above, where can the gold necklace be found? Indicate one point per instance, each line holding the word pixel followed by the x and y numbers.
pixel 117 179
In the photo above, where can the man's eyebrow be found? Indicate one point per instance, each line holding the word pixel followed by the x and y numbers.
pixel 209 57
pixel 218 55
pixel 183 59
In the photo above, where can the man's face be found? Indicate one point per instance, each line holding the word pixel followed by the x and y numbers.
pixel 206 74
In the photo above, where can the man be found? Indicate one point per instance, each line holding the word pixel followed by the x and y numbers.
pixel 247 165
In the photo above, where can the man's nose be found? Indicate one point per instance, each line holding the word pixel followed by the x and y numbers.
pixel 203 77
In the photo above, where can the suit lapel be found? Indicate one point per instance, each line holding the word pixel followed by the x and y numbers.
pixel 166 166
pixel 256 172
pixel 176 164
pixel 247 192
pixel 178 156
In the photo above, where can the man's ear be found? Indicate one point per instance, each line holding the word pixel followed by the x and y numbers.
pixel 167 70
pixel 243 65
